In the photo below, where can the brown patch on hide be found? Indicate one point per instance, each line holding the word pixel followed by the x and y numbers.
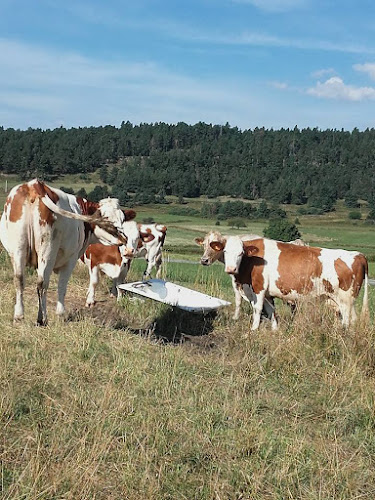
pixel 297 268
pixel 17 202
pixel 103 254
pixel 344 274
pixel 129 214
pixel 251 268
pixel 360 270
pixel 328 286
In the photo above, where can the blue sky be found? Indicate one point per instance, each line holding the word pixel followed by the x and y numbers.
pixel 252 63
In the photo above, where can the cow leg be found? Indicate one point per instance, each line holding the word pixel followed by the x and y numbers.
pixel 158 263
pixel 64 275
pixel 237 298
pixel 121 279
pixel 42 288
pixel 269 309
pixel 258 303
pixel 147 273
pixel 115 283
pixel 19 265
pixel 94 280
pixel 348 314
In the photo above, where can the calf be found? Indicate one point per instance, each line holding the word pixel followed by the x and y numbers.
pixel 274 269
pixel 48 229
pixel 113 261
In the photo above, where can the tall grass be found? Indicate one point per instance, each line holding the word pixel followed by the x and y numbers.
pixel 104 407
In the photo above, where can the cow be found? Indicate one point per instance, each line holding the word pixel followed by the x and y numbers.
pixel 48 229
pixel 267 269
pixel 113 262
pixel 210 256
pixel 152 250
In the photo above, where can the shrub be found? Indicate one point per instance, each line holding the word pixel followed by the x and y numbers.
pixel 238 222
pixel 148 220
pixel 82 193
pixel 68 190
pixel 183 211
pixel 282 230
pixel 354 215
pixel 98 193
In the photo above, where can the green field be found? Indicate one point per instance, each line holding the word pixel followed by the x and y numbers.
pixel 133 400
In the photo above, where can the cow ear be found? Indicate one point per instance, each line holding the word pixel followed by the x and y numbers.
pixel 129 214
pixel 161 228
pixel 199 241
pixel 251 250
pixel 218 246
pixel 147 237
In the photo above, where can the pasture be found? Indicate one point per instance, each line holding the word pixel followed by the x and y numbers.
pixel 133 400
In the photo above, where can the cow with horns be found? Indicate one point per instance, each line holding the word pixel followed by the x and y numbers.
pixel 48 229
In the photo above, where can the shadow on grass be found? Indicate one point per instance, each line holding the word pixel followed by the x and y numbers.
pixel 170 324
pixel 174 326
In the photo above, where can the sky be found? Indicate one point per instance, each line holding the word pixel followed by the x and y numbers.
pixel 249 63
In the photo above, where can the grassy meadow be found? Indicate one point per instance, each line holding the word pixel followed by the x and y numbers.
pixel 134 400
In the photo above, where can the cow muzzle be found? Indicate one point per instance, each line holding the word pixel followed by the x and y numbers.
pixel 230 270
pixel 129 253
pixel 205 261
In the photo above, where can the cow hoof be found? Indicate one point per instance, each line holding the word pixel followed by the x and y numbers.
pixel 90 305
pixel 111 295
pixel 17 320
pixel 41 322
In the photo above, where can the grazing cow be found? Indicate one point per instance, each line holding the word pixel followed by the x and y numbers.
pixel 275 269
pixel 48 229
pixel 210 256
pixel 112 261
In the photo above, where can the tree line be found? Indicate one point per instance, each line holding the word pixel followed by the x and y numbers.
pixel 301 166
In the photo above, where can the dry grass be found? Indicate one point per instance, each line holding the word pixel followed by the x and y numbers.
pixel 98 407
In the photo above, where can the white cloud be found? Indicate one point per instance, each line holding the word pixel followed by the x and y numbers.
pixel 275 5
pixel 368 68
pixel 279 85
pixel 42 88
pixel 322 72
pixel 335 88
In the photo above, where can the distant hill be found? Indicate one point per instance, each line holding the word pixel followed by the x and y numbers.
pixel 285 166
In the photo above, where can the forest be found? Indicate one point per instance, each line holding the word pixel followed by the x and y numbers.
pixel 300 166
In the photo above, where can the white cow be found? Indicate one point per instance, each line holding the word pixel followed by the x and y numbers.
pixel 48 229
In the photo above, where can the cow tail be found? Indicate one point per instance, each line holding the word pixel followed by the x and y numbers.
pixel 365 313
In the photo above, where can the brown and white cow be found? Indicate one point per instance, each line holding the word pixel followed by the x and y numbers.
pixel 115 263
pixel 210 256
pixel 48 229
pixel 152 250
pixel 267 269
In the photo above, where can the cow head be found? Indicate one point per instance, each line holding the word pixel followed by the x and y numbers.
pixel 234 250
pixel 211 253
pixel 109 228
